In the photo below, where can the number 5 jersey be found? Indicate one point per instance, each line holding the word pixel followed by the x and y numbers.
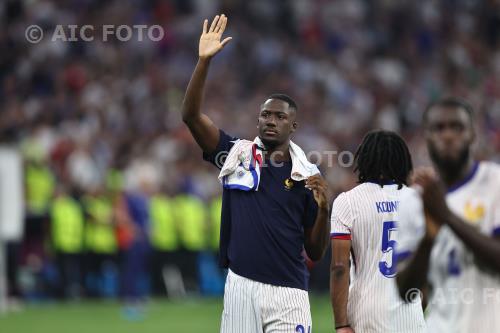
pixel 368 215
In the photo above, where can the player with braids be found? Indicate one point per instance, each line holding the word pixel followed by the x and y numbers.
pixel 383 157
pixel 363 233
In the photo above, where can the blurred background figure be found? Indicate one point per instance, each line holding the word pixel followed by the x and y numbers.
pixel 67 231
pixel 165 245
pixel 101 245
pixel 140 179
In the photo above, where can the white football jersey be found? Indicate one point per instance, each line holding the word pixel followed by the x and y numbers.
pixel 368 215
pixel 465 294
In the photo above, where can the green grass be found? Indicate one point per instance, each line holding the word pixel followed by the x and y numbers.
pixel 193 315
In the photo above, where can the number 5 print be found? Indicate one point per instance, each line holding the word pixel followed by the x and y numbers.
pixel 388 244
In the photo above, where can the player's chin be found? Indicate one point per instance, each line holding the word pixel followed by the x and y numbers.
pixel 451 160
pixel 270 140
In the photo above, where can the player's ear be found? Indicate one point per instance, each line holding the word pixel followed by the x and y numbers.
pixel 295 125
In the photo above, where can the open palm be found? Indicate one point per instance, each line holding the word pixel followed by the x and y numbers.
pixel 210 40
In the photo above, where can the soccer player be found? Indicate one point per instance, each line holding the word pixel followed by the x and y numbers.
pixel 265 226
pixel 364 225
pixel 454 249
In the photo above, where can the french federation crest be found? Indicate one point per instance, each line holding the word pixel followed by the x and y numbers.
pixel 474 213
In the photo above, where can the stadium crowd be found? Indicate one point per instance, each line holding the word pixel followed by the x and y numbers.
pixel 112 175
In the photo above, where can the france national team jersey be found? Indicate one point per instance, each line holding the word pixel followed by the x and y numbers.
pixel 262 232
pixel 465 294
pixel 369 216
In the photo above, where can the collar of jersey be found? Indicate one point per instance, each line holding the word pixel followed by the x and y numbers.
pixel 388 182
pixel 467 179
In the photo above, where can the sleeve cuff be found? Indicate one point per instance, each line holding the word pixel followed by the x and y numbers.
pixel 337 235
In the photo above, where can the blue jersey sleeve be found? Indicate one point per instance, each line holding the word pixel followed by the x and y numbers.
pixel 218 156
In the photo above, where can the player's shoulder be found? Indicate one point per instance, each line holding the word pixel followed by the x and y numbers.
pixel 341 199
pixel 344 198
pixel 409 192
pixel 368 190
pixel 489 174
pixel 409 198
pixel 225 137
pixel 410 209
pixel 355 197
pixel 358 190
pixel 490 169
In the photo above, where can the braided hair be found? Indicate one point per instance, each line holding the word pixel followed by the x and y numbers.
pixel 383 157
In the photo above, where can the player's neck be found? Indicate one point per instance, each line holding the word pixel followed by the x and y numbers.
pixel 451 178
pixel 280 153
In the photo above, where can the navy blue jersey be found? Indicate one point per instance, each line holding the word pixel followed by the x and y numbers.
pixel 262 232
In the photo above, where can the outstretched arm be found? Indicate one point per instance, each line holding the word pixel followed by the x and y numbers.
pixel 202 128
pixel 486 248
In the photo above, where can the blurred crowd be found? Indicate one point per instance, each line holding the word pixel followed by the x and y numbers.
pixel 115 184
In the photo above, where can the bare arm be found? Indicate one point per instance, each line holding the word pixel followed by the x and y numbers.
pixel 202 128
pixel 316 238
pixel 484 247
pixel 339 282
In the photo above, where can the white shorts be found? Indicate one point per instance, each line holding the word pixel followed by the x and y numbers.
pixel 255 307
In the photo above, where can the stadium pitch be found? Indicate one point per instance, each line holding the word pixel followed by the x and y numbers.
pixel 161 316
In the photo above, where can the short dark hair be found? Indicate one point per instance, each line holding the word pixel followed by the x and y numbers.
pixel 449 102
pixel 285 98
pixel 383 157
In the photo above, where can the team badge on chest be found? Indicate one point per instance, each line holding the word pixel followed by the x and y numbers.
pixel 474 213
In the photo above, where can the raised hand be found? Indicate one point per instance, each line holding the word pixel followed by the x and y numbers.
pixel 210 40
pixel 433 196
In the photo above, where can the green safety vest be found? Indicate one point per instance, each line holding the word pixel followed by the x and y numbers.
pixel 163 229
pixel 114 180
pixel 215 221
pixel 191 221
pixel 67 225
pixel 39 188
pixel 100 234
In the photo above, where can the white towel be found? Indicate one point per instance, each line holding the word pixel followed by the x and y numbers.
pixel 243 164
